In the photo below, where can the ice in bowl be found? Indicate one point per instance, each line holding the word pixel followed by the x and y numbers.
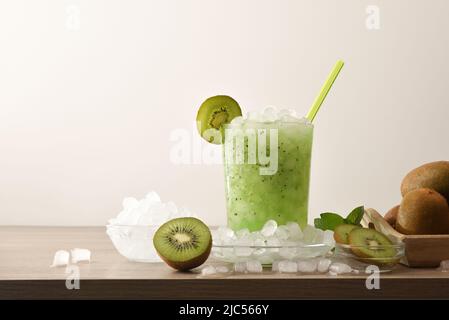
pixel 133 229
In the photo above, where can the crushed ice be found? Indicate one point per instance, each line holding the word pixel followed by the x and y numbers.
pixel 269 114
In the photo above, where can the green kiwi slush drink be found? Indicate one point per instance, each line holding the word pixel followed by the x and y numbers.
pixel 267 170
pixel 266 159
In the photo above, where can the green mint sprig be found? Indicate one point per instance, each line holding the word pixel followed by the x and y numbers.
pixel 329 220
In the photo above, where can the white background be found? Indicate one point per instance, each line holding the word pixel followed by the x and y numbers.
pixel 86 111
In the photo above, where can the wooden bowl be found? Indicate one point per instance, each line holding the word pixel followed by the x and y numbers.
pixel 420 250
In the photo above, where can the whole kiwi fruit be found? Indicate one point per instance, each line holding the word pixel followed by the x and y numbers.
pixel 392 215
pixel 423 211
pixel 433 175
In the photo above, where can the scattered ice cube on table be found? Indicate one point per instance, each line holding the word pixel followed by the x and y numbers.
pixel 307 266
pixel 295 232
pixel 254 266
pixel 80 255
pixel 275 266
pixel 222 269
pixel 269 228
pixel 339 268
pixel 444 265
pixel 208 270
pixel 287 266
pixel 61 258
pixel 323 265
pixel 240 267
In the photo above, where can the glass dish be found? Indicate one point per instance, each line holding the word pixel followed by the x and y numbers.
pixel 268 254
pixel 345 252
pixel 134 242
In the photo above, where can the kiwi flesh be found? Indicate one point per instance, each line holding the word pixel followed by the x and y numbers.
pixel 433 175
pixel 423 211
pixel 371 246
pixel 342 231
pixel 183 243
pixel 213 114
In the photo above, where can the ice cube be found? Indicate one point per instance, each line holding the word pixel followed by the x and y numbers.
pixel 61 258
pixel 254 116
pixel 242 233
pixel 254 266
pixel 130 203
pixel 269 228
pixel 339 268
pixel 222 269
pixel 311 235
pixel 243 248
pixel 307 266
pixel 295 232
pixel 270 114
pixel 275 266
pixel 328 238
pixel 287 112
pixel 282 233
pixel 208 270
pixel 80 255
pixel 153 196
pixel 237 121
pixel 287 266
pixel 259 243
pixel 224 235
pixel 240 267
pixel 444 265
pixel 288 250
pixel 323 265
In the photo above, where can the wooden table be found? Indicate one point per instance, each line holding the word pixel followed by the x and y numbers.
pixel 27 252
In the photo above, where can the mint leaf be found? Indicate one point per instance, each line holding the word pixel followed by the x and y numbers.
pixel 356 215
pixel 328 221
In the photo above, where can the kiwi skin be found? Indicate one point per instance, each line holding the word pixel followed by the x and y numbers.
pixel 433 175
pixel 189 264
pixel 391 216
pixel 423 211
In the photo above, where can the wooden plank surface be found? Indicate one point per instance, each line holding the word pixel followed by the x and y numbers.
pixel 27 252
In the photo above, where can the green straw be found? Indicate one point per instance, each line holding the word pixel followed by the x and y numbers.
pixel 324 90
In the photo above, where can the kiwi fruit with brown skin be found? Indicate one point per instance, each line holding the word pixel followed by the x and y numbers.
pixel 392 215
pixel 423 211
pixel 433 175
pixel 183 243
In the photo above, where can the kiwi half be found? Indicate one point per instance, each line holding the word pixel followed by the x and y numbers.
pixel 183 243
pixel 372 246
pixel 213 114
pixel 342 231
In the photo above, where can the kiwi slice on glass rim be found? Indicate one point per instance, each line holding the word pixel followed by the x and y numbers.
pixel 372 246
pixel 183 243
pixel 213 114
